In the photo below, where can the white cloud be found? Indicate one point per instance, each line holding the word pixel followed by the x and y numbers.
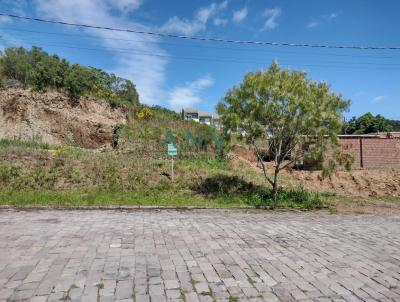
pixel 188 95
pixel 322 19
pixel 183 26
pixel 223 5
pixel 204 13
pixel 220 21
pixel 240 15
pixel 313 24
pixel 378 99
pixel 125 5
pixel 272 16
pixel 147 72
pixel 198 23
pixel 331 16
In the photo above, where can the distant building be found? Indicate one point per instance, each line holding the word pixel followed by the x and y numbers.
pixel 205 118
pixel 192 114
pixel 216 121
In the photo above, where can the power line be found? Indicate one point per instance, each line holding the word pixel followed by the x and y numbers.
pixel 233 60
pixel 199 38
pixel 205 58
pixel 199 46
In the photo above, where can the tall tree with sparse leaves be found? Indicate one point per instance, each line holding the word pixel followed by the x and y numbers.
pixel 284 112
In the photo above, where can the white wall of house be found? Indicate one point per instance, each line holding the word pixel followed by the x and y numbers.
pixel 192 117
pixel 203 119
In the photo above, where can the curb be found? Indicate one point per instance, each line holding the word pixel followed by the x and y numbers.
pixel 143 208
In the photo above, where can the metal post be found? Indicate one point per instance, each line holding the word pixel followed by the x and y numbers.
pixel 172 174
pixel 361 154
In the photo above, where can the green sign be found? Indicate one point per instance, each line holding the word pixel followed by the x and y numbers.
pixel 172 150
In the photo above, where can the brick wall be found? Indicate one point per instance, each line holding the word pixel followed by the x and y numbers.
pixel 373 153
pixel 381 153
pixel 352 146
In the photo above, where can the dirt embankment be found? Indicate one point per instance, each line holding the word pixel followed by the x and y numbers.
pixel 56 119
pixel 361 183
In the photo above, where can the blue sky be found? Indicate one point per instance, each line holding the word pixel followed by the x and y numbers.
pixel 178 73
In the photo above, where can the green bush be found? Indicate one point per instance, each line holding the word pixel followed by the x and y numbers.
pixel 78 81
pixel 117 134
pixel 263 198
pixel 162 113
pixel 227 187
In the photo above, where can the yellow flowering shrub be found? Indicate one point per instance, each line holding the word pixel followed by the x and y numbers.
pixel 144 114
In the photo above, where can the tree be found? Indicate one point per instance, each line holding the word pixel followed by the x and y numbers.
pixel 367 123
pixel 285 112
pixel 127 90
pixel 395 124
pixel 16 65
pixel 78 81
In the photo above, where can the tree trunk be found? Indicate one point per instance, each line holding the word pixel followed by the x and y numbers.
pixel 275 185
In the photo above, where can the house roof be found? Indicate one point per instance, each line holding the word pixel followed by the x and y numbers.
pixel 190 110
pixel 200 113
pixel 205 114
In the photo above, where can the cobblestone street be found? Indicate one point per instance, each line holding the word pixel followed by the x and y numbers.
pixel 197 255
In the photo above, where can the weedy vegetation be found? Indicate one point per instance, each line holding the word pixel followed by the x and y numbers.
pixel 135 170
pixel 37 175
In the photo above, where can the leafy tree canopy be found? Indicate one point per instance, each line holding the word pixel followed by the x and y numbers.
pixel 37 69
pixel 395 125
pixel 284 112
pixel 367 123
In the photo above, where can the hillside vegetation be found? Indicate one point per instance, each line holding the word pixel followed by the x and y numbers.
pixel 40 71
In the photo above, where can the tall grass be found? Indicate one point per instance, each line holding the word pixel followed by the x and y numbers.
pixel 31 144
pixel 101 197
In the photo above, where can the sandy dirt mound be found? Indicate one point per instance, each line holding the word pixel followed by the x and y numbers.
pixel 365 183
pixel 244 153
pixel 56 119
pixel 362 183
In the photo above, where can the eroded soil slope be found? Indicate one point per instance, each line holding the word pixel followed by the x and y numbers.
pixel 56 119
pixel 363 183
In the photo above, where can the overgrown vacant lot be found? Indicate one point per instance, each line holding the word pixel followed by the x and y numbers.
pixel 42 174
